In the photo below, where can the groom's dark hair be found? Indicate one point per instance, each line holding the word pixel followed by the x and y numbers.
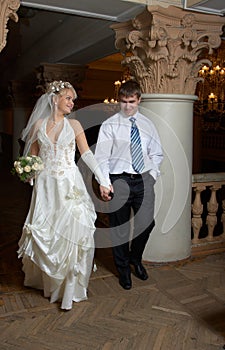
pixel 130 88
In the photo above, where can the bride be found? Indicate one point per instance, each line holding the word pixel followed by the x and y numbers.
pixel 57 244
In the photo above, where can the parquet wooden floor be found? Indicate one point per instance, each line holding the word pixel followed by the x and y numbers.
pixel 180 307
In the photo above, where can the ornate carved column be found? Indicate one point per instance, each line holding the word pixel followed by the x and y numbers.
pixel 162 47
pixel 48 72
pixel 8 10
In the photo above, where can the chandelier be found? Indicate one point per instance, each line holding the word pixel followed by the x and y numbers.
pixel 214 83
pixel 126 76
pixel 212 89
pixel 115 99
pixel 211 92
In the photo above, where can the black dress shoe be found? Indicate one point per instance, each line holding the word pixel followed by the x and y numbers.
pixel 125 279
pixel 140 271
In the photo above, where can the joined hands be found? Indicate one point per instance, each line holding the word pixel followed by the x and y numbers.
pixel 106 193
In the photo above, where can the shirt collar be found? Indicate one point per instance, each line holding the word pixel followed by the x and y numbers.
pixel 124 116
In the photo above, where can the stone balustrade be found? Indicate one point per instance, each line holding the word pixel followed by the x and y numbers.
pixel 208 211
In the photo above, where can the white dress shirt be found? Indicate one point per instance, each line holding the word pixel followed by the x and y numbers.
pixel 113 146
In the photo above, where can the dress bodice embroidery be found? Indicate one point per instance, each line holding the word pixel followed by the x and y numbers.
pixel 57 156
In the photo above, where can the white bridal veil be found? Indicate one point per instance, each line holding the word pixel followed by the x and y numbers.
pixel 44 108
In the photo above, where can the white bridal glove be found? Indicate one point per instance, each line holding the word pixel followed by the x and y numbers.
pixel 91 162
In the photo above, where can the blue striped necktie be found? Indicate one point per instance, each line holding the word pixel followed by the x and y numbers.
pixel 135 146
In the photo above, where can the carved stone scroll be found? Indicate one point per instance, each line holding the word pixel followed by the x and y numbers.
pixel 161 47
pixel 8 10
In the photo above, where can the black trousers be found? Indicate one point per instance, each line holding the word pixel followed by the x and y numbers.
pixel 131 217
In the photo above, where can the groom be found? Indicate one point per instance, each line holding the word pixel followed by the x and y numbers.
pixel 129 153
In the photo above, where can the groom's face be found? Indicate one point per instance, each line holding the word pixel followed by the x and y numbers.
pixel 129 105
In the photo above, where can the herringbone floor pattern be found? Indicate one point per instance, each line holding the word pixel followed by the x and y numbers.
pixel 180 307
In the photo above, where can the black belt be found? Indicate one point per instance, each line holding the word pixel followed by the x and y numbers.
pixel 131 176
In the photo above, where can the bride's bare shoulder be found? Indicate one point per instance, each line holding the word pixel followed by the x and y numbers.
pixel 38 123
pixel 76 125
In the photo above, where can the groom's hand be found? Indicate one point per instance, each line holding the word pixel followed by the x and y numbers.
pixel 106 193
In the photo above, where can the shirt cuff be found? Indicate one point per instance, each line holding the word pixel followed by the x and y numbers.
pixel 153 173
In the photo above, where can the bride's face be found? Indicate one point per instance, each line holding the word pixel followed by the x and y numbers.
pixel 65 101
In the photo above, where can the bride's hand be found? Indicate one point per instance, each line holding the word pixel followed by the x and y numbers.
pixel 106 193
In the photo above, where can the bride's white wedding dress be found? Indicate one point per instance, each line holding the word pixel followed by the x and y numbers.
pixel 57 243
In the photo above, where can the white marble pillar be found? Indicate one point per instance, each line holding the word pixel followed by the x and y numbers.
pixel 172 115
pixel 163 48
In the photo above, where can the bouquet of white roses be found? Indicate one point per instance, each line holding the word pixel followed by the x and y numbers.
pixel 26 167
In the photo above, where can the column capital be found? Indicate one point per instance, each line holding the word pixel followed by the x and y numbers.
pixel 161 47
pixel 8 10
pixel 47 72
pixel 54 71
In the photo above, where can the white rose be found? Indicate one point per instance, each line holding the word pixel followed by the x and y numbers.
pixel 27 169
pixel 35 166
pixel 19 170
pixel 28 158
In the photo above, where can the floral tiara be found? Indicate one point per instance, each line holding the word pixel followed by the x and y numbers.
pixel 56 86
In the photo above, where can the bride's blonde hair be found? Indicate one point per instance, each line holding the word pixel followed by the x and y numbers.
pixel 59 86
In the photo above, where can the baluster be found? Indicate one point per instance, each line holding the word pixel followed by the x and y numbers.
pixel 212 207
pixel 223 218
pixel 197 210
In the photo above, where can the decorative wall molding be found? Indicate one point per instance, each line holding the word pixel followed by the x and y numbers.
pixel 161 47
pixel 47 72
pixel 8 10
